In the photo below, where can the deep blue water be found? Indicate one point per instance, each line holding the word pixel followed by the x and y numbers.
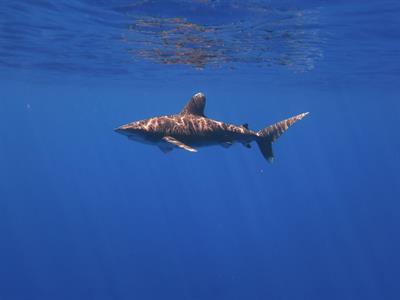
pixel 87 214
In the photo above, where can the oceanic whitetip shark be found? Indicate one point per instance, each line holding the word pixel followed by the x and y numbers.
pixel 191 129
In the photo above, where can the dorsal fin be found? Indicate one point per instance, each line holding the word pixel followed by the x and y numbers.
pixel 195 105
pixel 245 125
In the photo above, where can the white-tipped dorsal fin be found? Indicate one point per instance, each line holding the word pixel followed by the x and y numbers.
pixel 195 105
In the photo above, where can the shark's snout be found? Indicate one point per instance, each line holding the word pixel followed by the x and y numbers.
pixel 130 130
pixel 124 129
pixel 133 131
pixel 119 129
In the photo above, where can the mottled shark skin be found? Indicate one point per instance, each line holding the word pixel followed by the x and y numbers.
pixel 191 129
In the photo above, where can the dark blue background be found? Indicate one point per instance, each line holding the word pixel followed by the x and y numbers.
pixel 87 214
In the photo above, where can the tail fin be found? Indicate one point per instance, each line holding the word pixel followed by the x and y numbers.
pixel 269 134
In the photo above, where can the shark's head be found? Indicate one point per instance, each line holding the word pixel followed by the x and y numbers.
pixel 135 131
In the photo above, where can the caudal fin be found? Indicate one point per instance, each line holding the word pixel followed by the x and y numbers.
pixel 269 134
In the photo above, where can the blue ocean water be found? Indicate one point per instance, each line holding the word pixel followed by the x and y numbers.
pixel 87 214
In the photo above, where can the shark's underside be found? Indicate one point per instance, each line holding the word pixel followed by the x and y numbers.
pixel 191 129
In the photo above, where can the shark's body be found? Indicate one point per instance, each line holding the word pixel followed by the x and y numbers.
pixel 191 129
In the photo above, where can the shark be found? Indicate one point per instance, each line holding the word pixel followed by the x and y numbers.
pixel 191 129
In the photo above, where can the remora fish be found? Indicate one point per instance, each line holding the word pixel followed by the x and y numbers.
pixel 191 129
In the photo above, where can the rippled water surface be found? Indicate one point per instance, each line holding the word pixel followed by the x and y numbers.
pixel 132 38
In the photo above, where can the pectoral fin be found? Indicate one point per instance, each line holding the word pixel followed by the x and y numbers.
pixel 179 144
